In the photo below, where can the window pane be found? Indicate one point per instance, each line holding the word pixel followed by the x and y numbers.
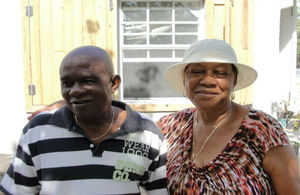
pixel 160 28
pixel 179 53
pixel 134 15
pixel 160 15
pixel 188 5
pixel 161 39
pixel 160 4
pixel 161 53
pixel 133 4
pixel 135 53
pixel 148 30
pixel 134 39
pixel 185 39
pixel 144 80
pixel 186 15
pixel 186 28
pixel 134 28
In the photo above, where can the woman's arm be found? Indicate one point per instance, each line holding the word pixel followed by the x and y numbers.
pixel 282 165
pixel 50 107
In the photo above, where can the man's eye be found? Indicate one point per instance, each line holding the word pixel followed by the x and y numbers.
pixel 90 81
pixel 66 84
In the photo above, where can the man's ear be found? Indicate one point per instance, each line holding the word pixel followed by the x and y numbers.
pixel 115 83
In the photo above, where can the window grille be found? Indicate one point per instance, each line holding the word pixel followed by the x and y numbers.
pixel 153 36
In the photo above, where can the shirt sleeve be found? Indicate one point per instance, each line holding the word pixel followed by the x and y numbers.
pixel 157 181
pixel 274 135
pixel 165 124
pixel 268 131
pixel 21 176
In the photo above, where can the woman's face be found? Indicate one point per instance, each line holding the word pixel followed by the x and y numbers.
pixel 209 84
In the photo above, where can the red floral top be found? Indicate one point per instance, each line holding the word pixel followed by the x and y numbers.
pixel 238 169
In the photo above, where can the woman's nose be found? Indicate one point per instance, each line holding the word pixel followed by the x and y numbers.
pixel 208 79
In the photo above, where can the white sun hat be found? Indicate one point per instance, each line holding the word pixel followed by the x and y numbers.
pixel 209 50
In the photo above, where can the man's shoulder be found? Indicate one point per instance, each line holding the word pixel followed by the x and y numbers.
pixel 137 121
pixel 146 123
pixel 149 125
pixel 47 118
pixel 40 119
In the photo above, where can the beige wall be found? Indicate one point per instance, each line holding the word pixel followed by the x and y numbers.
pixel 274 51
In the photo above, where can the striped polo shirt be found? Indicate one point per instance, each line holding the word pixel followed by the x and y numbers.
pixel 55 157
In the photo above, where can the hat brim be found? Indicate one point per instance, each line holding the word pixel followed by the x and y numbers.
pixel 174 75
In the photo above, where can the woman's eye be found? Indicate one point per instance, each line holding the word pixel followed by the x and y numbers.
pixel 197 71
pixel 221 73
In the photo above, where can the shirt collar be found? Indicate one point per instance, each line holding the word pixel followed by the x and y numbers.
pixel 64 118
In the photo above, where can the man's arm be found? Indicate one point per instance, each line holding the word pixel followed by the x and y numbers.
pixel 50 107
pixel 157 182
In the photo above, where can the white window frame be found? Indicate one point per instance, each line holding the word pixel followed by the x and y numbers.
pixel 201 34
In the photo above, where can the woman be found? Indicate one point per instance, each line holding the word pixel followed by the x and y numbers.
pixel 221 147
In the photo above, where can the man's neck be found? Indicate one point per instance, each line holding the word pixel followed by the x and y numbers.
pixel 97 128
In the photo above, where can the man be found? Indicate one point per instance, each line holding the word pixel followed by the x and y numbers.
pixel 93 145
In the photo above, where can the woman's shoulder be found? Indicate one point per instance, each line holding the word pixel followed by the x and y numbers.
pixel 261 117
pixel 170 122
pixel 177 115
pixel 266 127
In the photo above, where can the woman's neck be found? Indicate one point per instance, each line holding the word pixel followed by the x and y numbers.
pixel 213 116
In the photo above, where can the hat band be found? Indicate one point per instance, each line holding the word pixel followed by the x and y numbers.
pixel 209 57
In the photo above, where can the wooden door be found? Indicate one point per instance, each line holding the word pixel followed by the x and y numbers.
pixel 232 21
pixel 51 29
pixel 241 37
pixel 216 18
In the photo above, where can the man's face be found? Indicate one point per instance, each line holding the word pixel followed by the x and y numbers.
pixel 86 86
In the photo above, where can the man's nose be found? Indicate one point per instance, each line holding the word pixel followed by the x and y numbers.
pixel 77 89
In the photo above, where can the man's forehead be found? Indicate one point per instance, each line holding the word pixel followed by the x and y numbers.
pixel 82 58
pixel 83 61
pixel 88 55
pixel 82 70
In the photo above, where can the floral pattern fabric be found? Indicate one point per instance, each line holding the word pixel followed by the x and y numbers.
pixel 238 169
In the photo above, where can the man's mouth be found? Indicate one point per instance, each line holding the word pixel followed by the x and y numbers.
pixel 79 102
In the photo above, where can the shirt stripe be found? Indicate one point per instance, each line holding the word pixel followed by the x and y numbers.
pixel 55 157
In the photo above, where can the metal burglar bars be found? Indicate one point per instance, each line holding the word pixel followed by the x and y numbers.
pixel 154 35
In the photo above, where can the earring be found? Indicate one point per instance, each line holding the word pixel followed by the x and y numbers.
pixel 232 96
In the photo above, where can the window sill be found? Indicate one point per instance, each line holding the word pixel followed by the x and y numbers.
pixel 159 107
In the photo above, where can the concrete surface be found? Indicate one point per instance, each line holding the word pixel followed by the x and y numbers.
pixel 4 163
